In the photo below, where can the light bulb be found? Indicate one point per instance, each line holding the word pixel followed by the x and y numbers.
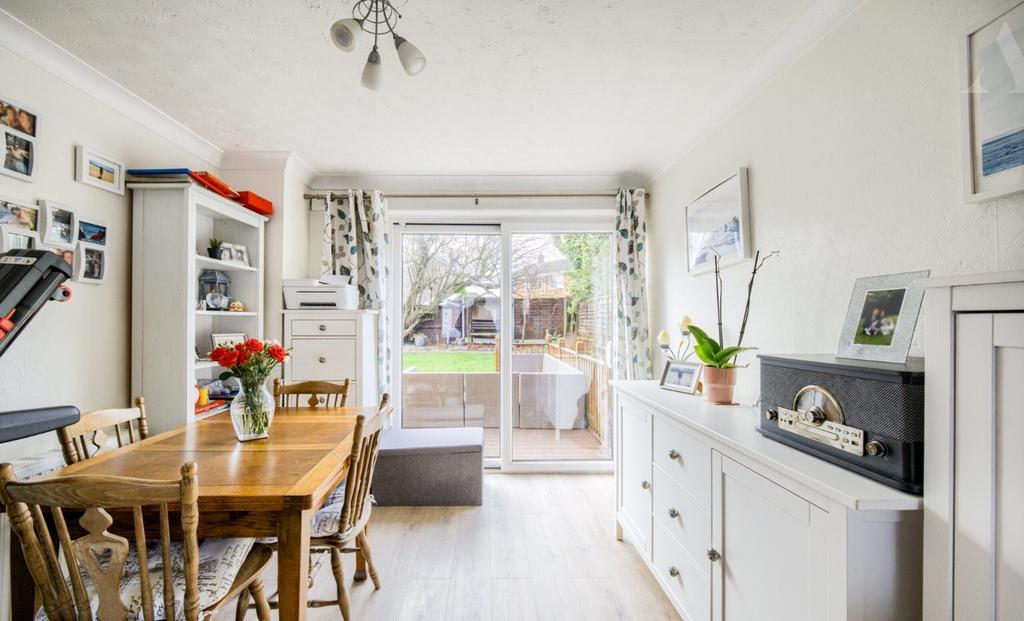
pixel 345 32
pixel 413 60
pixel 373 73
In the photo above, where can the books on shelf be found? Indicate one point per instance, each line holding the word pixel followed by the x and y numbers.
pixel 214 404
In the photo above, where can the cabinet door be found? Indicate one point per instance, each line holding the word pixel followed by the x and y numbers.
pixel 772 547
pixel 635 475
pixel 988 530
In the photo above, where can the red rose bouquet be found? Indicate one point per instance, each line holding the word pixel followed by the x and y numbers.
pixel 251 362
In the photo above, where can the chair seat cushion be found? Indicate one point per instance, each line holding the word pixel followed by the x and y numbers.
pixel 219 562
pixel 327 521
pixel 432 440
pixel 337 496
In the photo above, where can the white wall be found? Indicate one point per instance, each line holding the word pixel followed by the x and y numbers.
pixel 854 157
pixel 78 352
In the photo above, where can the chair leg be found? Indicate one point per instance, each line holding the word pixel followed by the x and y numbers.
pixel 360 574
pixel 364 548
pixel 339 582
pixel 242 607
pixel 262 605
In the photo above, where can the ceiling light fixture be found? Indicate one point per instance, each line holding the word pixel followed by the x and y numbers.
pixel 377 17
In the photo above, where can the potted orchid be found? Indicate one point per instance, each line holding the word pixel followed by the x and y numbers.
pixel 252 362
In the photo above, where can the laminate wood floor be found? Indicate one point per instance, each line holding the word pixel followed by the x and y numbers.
pixel 542 547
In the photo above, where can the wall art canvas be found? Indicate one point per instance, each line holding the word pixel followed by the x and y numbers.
pixel 993 107
pixel 717 223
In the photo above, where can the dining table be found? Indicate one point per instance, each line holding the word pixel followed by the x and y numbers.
pixel 270 487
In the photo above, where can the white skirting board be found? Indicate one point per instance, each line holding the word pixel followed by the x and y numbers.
pixel 24 468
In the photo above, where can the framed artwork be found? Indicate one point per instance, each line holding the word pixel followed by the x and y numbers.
pixel 19 155
pixel 92 231
pixel 717 223
pixel 241 254
pixel 90 263
pixel 99 171
pixel 881 317
pixel 992 104
pixel 681 376
pixel 16 117
pixel 14 237
pixel 15 213
pixel 68 254
pixel 225 339
pixel 58 224
pixel 227 252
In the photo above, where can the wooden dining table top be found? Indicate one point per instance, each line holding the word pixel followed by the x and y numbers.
pixel 304 458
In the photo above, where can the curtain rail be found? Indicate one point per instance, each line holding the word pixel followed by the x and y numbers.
pixel 322 196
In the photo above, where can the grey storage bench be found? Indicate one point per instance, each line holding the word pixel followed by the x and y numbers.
pixel 430 467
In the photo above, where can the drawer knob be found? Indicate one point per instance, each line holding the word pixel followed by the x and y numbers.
pixel 323 328
pixel 673 454
pixel 645 484
pixel 322 359
pixel 713 555
pixel 672 513
pixel 672 571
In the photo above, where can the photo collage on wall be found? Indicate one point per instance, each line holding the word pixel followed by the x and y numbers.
pixel 18 128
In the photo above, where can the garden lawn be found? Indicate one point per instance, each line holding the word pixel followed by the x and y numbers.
pixel 451 362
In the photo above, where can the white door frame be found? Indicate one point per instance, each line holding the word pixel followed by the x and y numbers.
pixel 506 228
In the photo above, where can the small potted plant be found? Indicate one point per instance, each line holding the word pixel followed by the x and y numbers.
pixel 216 248
pixel 252 362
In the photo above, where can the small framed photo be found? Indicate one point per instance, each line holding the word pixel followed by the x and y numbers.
pixel 241 254
pixel 15 213
pixel 90 263
pixel 67 254
pixel 227 252
pixel 19 155
pixel 881 317
pixel 92 231
pixel 58 225
pixel 227 339
pixel 681 376
pixel 14 116
pixel 99 171
pixel 718 224
pixel 17 237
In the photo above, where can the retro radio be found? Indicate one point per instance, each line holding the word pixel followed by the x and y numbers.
pixel 867 417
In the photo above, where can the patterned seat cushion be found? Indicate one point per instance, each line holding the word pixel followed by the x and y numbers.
pixel 328 519
pixel 337 496
pixel 219 562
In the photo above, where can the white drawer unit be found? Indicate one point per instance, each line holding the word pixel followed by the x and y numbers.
pixel 334 346
pixel 735 526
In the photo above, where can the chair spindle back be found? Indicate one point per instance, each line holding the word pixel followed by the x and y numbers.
pixel 325 394
pixel 91 433
pixel 365 447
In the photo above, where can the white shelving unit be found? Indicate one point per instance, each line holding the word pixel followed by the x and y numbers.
pixel 172 224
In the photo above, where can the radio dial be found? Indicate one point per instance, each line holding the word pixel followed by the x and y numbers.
pixel 814 416
pixel 875 449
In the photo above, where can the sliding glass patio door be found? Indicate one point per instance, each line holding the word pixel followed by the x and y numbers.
pixel 510 329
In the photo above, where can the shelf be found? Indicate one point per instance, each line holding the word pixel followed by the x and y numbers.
pixel 209 313
pixel 224 266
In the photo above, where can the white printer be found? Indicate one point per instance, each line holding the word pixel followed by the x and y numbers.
pixel 329 293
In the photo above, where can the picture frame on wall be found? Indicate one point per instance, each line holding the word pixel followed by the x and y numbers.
pixel 92 231
pixel 90 263
pixel 718 223
pixel 16 213
pixel 99 171
pixel 14 237
pixel 881 317
pixel 681 376
pixel 58 226
pixel 19 155
pixel 992 106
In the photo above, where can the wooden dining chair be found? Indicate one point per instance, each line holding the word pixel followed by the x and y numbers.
pixel 326 394
pixel 101 576
pixel 92 432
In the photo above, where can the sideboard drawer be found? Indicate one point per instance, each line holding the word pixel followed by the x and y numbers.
pixel 686 459
pixel 323 359
pixel 686 583
pixel 323 327
pixel 683 516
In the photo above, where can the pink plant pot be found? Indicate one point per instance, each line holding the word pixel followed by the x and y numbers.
pixel 719 385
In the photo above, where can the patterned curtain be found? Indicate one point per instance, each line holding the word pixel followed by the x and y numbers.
pixel 634 351
pixel 358 245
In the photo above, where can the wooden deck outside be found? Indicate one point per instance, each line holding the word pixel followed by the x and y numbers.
pixel 541 444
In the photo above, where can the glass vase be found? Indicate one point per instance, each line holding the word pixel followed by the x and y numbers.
pixel 252 411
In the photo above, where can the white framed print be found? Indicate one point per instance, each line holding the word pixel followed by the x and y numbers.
pixel 99 171
pixel 90 263
pixel 992 105
pixel 241 254
pixel 58 226
pixel 16 213
pixel 227 252
pixel 681 376
pixel 13 237
pixel 68 254
pixel 718 224
pixel 92 231
pixel 19 155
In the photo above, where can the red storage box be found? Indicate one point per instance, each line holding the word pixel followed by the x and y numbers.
pixel 255 202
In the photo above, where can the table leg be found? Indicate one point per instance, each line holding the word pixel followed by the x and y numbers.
pixel 293 564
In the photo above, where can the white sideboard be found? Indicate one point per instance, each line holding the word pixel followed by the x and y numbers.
pixel 736 527
pixel 333 345
pixel 974 467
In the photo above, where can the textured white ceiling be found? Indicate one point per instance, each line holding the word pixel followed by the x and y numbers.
pixel 511 86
